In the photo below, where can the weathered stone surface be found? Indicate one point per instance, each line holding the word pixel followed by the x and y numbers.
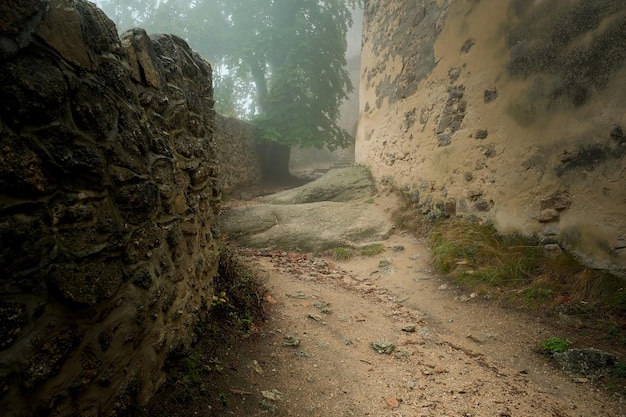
pixel 18 20
pixel 543 79
pixel 62 38
pixel 311 227
pixel 344 184
pixel 108 194
pixel 50 356
pixel 300 219
pixel 31 96
pixel 12 321
pixel 548 215
pixel 22 172
pixel 590 363
pixel 87 283
pixel 145 67
pixel 237 149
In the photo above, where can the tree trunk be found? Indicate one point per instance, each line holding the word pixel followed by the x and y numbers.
pixel 275 162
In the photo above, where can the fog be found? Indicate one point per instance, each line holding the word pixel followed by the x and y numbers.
pixel 243 40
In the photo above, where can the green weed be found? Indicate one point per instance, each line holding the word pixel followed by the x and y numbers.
pixel 619 370
pixel 373 249
pixel 342 254
pixel 477 254
pixel 555 345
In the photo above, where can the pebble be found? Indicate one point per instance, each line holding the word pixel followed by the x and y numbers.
pixel 291 340
pixel 383 346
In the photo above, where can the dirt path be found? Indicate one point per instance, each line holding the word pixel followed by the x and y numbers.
pixel 450 353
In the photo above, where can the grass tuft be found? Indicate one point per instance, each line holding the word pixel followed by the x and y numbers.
pixel 477 255
pixel 555 345
pixel 342 254
pixel 373 249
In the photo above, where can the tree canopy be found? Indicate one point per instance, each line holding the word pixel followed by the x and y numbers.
pixel 279 63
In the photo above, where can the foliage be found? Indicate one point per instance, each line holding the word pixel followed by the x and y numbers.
pixel 515 268
pixel 290 53
pixel 554 345
pixel 342 254
pixel 619 370
pixel 373 249
pixel 477 254
pixel 229 323
pixel 238 293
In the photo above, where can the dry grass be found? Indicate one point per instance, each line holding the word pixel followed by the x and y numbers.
pixel 477 254
pixel 342 254
pixel 372 250
pixel 515 268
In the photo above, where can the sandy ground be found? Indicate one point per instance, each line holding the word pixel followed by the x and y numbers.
pixel 450 353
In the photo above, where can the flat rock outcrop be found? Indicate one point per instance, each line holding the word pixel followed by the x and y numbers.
pixel 332 211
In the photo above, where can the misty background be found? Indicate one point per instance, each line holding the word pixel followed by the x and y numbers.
pixel 201 23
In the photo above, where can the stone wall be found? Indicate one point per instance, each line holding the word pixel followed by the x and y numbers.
pixel 108 193
pixel 237 149
pixel 508 111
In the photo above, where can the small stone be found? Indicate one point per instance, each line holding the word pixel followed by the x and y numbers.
pixel 617 133
pixel 392 402
pixel 383 346
pixel 548 215
pixel 409 328
pixel 291 341
pixel 550 230
pixel 316 318
pixel 254 365
pixel 482 205
pixel 444 139
pixel 273 395
pixel 552 249
pixel 468 176
pixel 620 243
pixel 490 94
pixel 481 134
pixel 454 73
pixel 384 263
pixel 424 331
pixel 397 248
pixel 468 45
pixel 443 287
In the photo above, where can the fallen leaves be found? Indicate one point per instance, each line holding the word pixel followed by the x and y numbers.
pixel 392 402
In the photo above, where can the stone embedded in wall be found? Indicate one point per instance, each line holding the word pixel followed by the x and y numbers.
pixel 617 134
pixel 482 205
pixel 18 21
pixel 559 201
pixel 453 114
pixel 548 215
pixel 468 45
pixel 13 318
pixel 481 134
pixel 145 67
pixel 490 94
pixel 108 193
